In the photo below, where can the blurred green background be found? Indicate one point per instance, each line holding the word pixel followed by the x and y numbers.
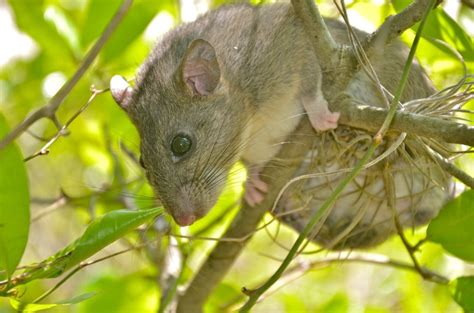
pixel 92 170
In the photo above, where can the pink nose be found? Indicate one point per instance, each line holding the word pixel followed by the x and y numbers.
pixel 185 220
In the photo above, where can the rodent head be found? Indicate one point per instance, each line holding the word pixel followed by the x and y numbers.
pixel 190 127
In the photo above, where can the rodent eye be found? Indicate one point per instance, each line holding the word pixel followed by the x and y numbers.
pixel 180 145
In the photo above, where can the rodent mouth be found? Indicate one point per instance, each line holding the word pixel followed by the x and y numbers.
pixel 187 203
pixel 185 219
pixel 184 214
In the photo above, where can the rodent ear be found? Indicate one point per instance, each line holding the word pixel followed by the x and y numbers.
pixel 200 70
pixel 121 91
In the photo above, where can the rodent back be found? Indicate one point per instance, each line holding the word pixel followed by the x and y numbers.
pixel 260 48
pixel 388 64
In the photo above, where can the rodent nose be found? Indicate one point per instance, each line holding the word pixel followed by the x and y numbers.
pixel 185 220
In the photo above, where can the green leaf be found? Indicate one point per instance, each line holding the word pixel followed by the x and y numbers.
pixel 33 307
pixel 105 230
pixel 99 234
pixel 338 303
pixel 462 290
pixel 14 206
pixel 134 23
pixel 452 228
pixel 224 295
pixel 440 26
pixel 448 30
pixel 116 291
pixel 30 18
pixel 64 26
pixel 98 14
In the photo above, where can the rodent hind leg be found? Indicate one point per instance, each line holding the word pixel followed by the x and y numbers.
pixel 255 188
pixel 316 108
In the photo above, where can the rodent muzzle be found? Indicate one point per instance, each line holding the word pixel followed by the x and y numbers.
pixel 185 219
pixel 189 206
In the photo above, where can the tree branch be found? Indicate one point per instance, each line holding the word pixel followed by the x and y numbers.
pixel 371 118
pixel 455 172
pixel 395 25
pixel 49 110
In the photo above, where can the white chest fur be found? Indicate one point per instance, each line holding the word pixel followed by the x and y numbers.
pixel 270 126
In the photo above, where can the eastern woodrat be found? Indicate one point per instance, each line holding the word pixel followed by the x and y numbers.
pixel 231 86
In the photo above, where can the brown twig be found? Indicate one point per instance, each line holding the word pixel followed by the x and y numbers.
pixel 63 130
pixel 52 205
pixel 59 202
pixel 395 25
pixel 302 267
pixel 449 167
pixel 370 118
pixel 49 110
pixel 80 267
pixel 391 192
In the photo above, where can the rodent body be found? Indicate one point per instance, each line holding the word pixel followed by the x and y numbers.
pixel 231 86
pixel 361 216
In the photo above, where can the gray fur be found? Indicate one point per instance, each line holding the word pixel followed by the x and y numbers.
pixel 264 56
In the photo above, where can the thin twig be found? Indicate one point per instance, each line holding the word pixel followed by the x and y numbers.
pixel 63 130
pixel 395 25
pixel 49 110
pixel 301 268
pixel 59 202
pixel 80 267
pixel 424 273
pixel 464 177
